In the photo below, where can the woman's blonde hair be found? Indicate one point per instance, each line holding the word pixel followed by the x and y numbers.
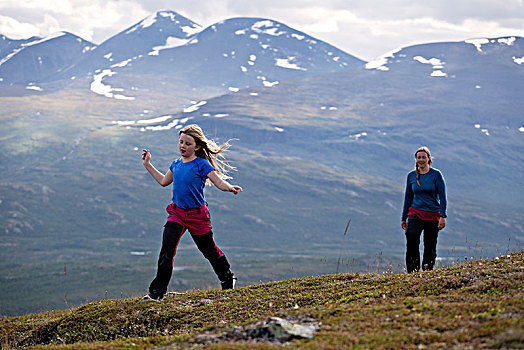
pixel 422 149
pixel 209 150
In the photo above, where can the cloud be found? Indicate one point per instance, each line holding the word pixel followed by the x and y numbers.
pixel 94 20
pixel 14 29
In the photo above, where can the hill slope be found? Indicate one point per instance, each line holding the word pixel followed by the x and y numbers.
pixel 477 304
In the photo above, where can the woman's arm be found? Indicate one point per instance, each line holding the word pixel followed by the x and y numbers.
pixel 222 184
pixel 440 183
pixel 408 200
pixel 163 180
pixel 441 188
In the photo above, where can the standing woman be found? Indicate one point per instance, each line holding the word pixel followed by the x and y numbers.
pixel 424 209
pixel 201 161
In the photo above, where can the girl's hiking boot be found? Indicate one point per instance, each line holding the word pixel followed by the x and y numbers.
pixel 152 297
pixel 229 282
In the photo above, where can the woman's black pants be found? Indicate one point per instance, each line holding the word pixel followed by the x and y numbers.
pixel 414 229
pixel 171 237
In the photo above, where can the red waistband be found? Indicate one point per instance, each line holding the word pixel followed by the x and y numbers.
pixel 189 209
pixel 424 215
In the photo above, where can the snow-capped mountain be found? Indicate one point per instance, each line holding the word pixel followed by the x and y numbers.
pixel 229 55
pixel 481 57
pixel 8 46
pixel 161 30
pixel 243 52
pixel 39 59
pixel 232 54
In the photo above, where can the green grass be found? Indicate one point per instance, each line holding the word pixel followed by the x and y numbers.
pixel 478 304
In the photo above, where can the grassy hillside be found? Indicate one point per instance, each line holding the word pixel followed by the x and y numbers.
pixel 475 304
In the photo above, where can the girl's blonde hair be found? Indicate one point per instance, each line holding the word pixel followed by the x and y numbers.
pixel 422 149
pixel 209 150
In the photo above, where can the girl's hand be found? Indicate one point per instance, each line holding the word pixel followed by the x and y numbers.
pixel 403 224
pixel 235 189
pixel 441 223
pixel 146 156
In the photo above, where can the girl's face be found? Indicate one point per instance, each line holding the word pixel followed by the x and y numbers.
pixel 422 159
pixel 187 146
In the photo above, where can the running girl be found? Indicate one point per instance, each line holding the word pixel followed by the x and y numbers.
pixel 202 162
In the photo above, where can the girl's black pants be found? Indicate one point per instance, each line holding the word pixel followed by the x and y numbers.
pixel 171 237
pixel 414 229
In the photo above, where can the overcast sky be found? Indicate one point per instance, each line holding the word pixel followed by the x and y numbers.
pixel 364 28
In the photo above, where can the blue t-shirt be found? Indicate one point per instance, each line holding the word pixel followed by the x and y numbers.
pixel 429 196
pixel 189 180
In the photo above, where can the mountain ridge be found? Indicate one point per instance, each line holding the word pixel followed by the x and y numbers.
pixel 166 42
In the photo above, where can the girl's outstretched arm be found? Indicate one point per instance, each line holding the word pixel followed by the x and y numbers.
pixel 163 180
pixel 222 184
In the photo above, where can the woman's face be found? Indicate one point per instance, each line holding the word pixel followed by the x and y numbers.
pixel 187 145
pixel 422 159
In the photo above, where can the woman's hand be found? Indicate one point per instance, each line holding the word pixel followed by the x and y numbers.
pixel 441 223
pixel 403 224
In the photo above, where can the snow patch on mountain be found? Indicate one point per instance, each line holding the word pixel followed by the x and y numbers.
pixel 438 73
pixel 171 42
pixel 154 120
pixel 287 63
pixel 47 38
pixel 194 107
pixel 267 27
pixel 88 48
pixel 122 64
pixel 9 56
pixel 358 136
pixel 435 62
pixel 477 43
pixel 518 60
pixel 328 108
pixel 485 131
pixel 380 63
pixel 191 30
pixel 98 87
pixel 269 83
pixel 146 22
pixel 175 123
pixel 28 44
pixel 33 87
pixel 508 41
